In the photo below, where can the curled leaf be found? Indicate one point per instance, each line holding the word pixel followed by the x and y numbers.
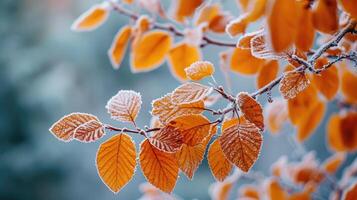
pixel 199 70
pixel 117 50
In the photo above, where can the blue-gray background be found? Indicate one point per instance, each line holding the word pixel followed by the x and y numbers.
pixel 47 71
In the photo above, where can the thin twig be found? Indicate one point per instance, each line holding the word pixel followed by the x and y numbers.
pixel 169 27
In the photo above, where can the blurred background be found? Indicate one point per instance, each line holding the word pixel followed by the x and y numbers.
pixel 48 71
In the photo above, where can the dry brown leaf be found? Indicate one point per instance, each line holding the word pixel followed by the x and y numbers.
pixel 64 129
pixel 199 70
pixel 116 161
pixel 241 145
pixel 194 128
pixel 168 139
pixel 159 168
pixel 190 93
pixel 166 110
pixel 293 83
pixel 124 106
pixel 218 163
pixel 119 45
pixel 251 109
pixel 149 51
pixel 92 18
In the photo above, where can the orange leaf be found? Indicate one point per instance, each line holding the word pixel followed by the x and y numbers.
pixel 190 93
pixel 190 157
pixel 334 162
pixel 350 7
pixel 218 163
pixel 334 135
pixel 283 24
pixel 249 192
pixel 117 50
pixel 275 191
pixel 65 128
pixel 168 139
pixel 219 22
pixel 116 161
pixel 159 168
pixel 277 114
pixel 310 121
pixel 194 128
pixel 293 83
pixel 349 86
pixel 207 13
pixel 325 16
pixel 351 192
pixel 149 51
pixel 348 130
pixel 199 70
pixel 237 26
pixel 182 56
pixel 89 131
pixel 92 18
pixel 327 82
pixel 243 62
pixel 166 110
pixel 241 145
pixel 305 30
pixel 181 9
pixel 251 109
pixel 124 106
pixel 244 42
pixel 303 102
pixel 267 73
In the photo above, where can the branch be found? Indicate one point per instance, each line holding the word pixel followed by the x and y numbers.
pixel 168 27
pixel 311 61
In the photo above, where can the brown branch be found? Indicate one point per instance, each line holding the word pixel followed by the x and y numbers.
pixel 169 27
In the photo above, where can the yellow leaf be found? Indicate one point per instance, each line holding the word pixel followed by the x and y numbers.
pixel 150 50
pixel 350 7
pixel 119 45
pixel 190 93
pixel 194 128
pixel 334 162
pixel 293 83
pixel 168 139
pixel 92 18
pixel 65 128
pixel 251 109
pixel 243 62
pixel 181 57
pixel 349 86
pixel 124 106
pixel 182 9
pixel 241 145
pixel 166 110
pixel 325 16
pixel 283 24
pixel 237 26
pixel 199 70
pixel 218 163
pixel 159 168
pixel 116 161
pixel 327 82
pixel 310 121
pixel 267 73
